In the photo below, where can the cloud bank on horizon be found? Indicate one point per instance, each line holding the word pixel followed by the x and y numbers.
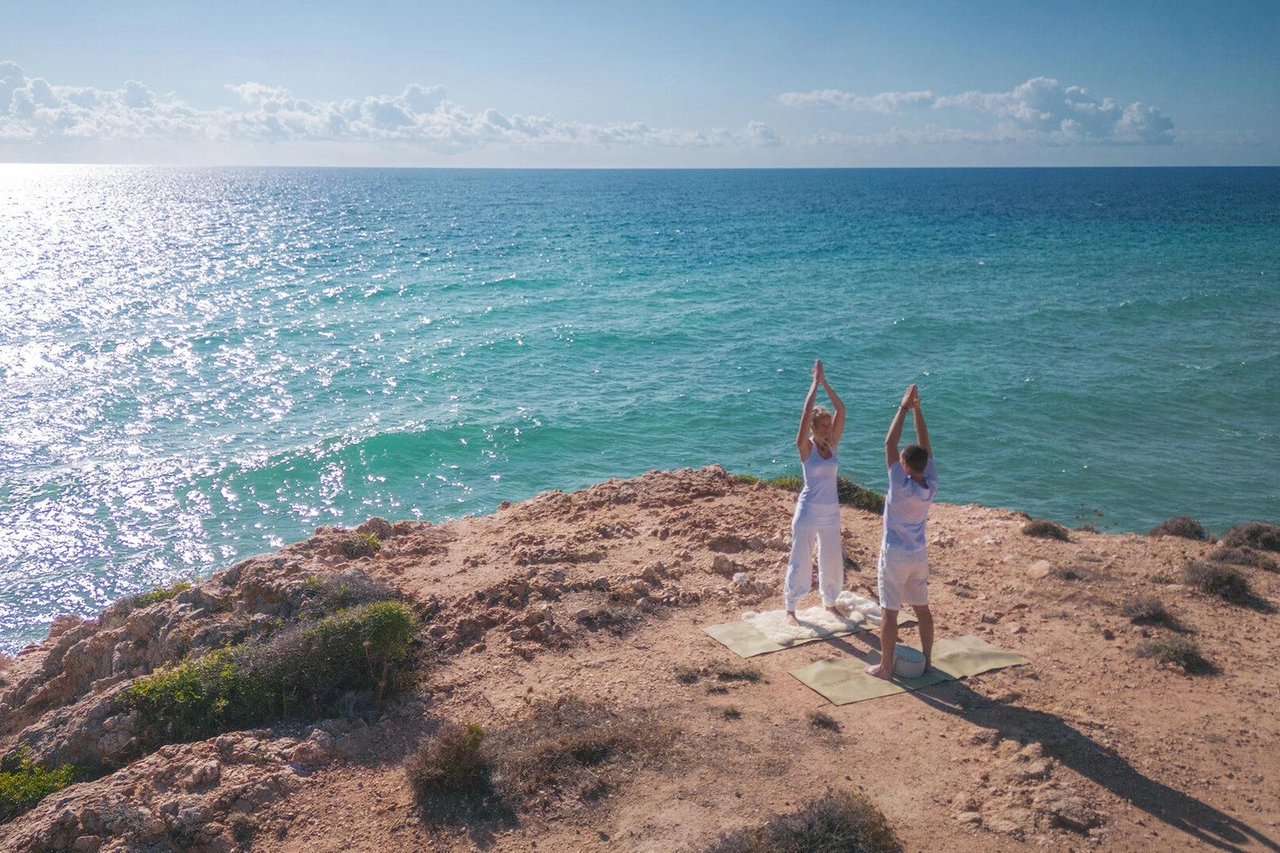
pixel 1040 112
pixel 1039 109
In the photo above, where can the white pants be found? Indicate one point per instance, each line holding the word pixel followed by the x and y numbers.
pixel 904 578
pixel 800 566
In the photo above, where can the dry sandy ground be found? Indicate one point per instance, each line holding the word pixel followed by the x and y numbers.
pixel 1088 747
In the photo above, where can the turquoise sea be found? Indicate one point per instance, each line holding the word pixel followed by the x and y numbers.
pixel 203 364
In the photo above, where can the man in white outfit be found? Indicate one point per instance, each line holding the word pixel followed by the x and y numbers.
pixel 904 565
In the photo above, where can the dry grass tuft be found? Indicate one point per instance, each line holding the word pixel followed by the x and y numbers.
pixel 356 545
pixel 823 721
pixel 1149 610
pixel 1262 535
pixel 1184 526
pixel 1217 579
pixel 1042 529
pixel 618 620
pixel 1244 557
pixel 720 671
pixel 572 747
pixel 837 822
pixel 1177 651
pixel 451 762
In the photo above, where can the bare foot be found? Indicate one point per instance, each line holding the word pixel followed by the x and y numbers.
pixel 879 671
pixel 791 618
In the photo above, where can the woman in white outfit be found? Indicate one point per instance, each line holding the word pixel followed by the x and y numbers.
pixel 817 516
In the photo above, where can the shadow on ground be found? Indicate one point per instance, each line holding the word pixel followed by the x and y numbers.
pixel 1068 746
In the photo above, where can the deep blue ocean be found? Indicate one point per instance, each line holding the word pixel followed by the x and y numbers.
pixel 203 364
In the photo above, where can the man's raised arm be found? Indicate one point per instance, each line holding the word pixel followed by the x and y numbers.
pixel 894 436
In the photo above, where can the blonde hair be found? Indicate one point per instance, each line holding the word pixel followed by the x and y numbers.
pixel 818 410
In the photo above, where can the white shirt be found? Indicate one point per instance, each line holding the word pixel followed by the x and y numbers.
pixel 906 507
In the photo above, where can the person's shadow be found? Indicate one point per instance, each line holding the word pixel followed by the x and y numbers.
pixel 1102 765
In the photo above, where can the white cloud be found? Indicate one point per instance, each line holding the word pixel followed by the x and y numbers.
pixel 31 109
pixel 833 99
pixel 1040 109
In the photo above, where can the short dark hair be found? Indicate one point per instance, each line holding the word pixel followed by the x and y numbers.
pixel 915 457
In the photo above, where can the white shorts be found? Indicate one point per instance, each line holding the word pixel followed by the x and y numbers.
pixel 904 578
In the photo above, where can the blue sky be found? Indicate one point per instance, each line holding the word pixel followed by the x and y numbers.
pixel 596 84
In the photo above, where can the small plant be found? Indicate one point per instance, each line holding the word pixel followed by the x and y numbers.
pixel 1244 557
pixel 1150 611
pixel 243 829
pixel 749 479
pixel 850 493
pixel 823 721
pixel 572 746
pixel 23 783
pixel 1262 535
pixel 1217 579
pixel 688 674
pixel 833 823
pixel 361 545
pixel 720 671
pixel 790 482
pixel 618 620
pixel 155 596
pixel 1042 529
pixel 1176 651
pixel 300 672
pixel 334 591
pixel 1184 526
pixel 731 712
pixel 451 762
pixel 724 671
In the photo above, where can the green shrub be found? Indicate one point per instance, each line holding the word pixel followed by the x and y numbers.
pixel 1184 526
pixel 451 762
pixel 197 698
pixel 1262 535
pixel 146 599
pixel 837 822
pixel 300 671
pixel 1042 529
pixel 790 482
pixel 850 493
pixel 1217 579
pixel 361 545
pixel 334 591
pixel 23 784
pixel 312 664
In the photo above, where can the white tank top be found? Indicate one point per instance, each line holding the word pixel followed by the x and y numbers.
pixel 819 502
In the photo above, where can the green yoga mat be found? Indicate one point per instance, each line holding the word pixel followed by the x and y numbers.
pixel 745 641
pixel 842 680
